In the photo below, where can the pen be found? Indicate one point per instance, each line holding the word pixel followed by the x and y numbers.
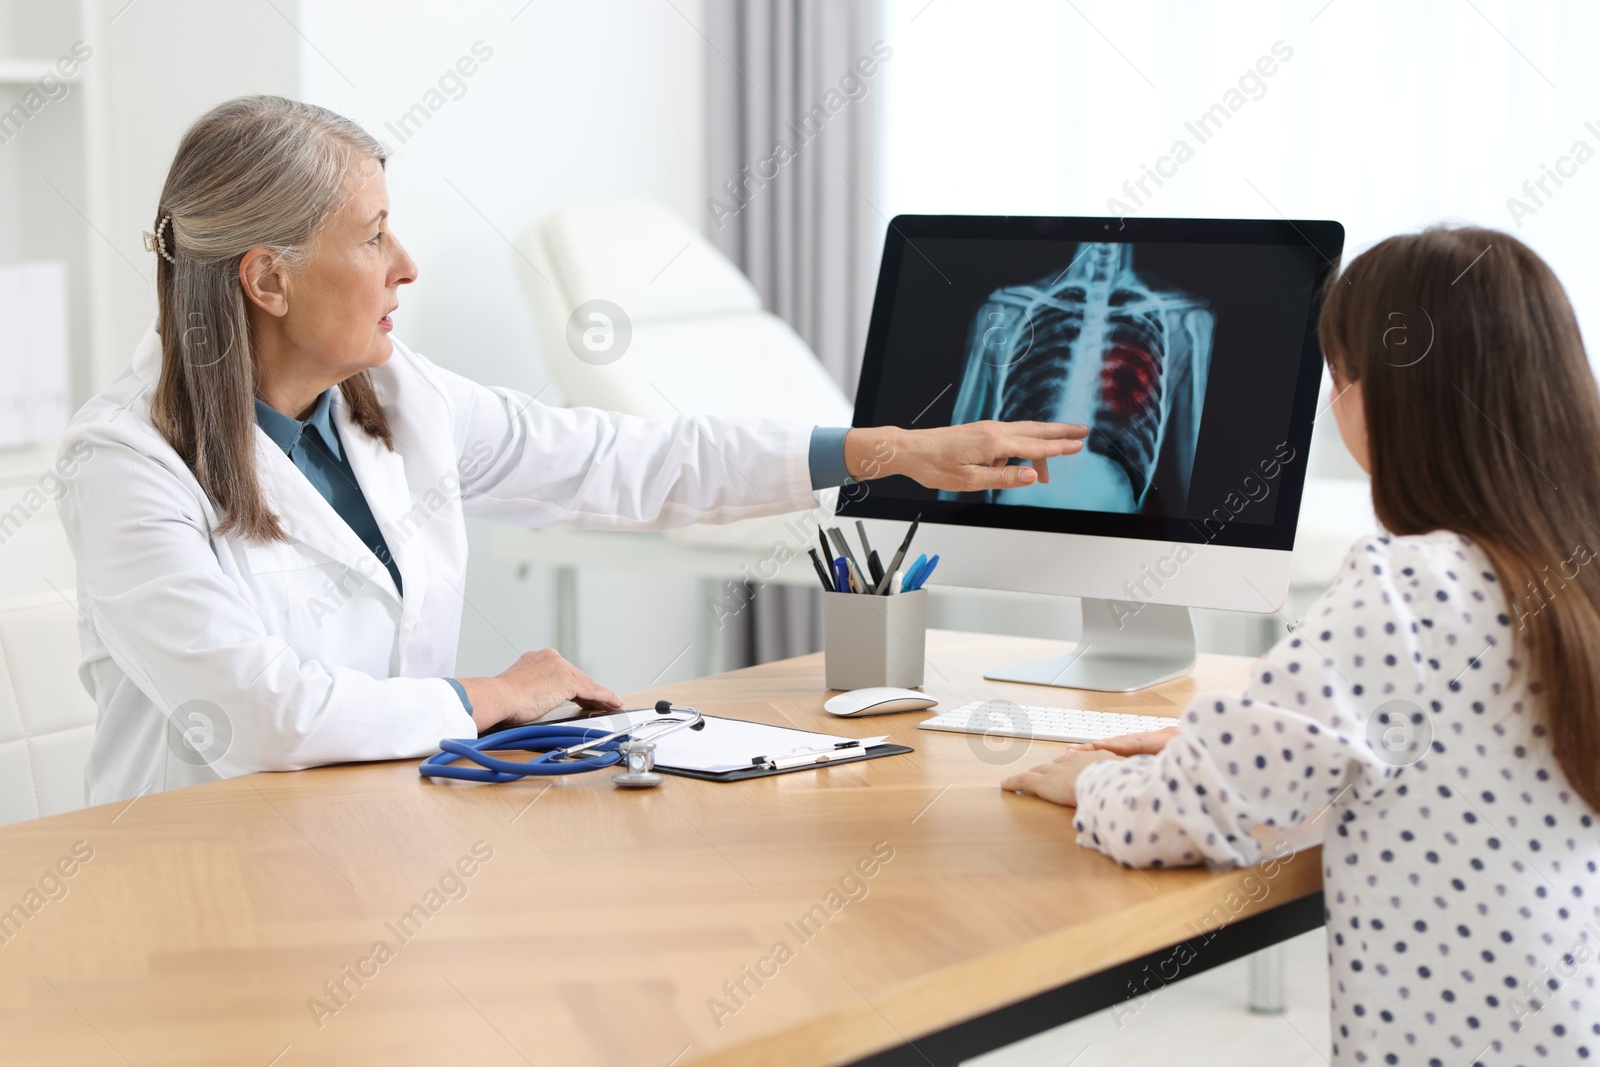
pixel 894 564
pixel 841 576
pixel 858 581
pixel 844 546
pixel 842 750
pixel 827 551
pixel 816 561
pixel 908 583
pixel 875 568
pixel 922 579
pixel 874 565
pixel 911 576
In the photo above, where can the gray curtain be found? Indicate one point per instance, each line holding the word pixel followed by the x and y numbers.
pixel 793 92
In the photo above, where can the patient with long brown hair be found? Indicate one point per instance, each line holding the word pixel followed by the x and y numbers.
pixel 1441 702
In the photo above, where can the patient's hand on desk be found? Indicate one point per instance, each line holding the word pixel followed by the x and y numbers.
pixel 1057 781
pixel 530 687
pixel 964 458
pixel 1145 744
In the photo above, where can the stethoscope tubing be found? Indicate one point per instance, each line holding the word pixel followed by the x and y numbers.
pixel 556 743
pixel 547 740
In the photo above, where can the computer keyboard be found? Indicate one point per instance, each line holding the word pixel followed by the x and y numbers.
pixel 1002 718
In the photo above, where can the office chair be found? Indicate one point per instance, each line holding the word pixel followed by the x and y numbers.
pixel 700 342
pixel 46 718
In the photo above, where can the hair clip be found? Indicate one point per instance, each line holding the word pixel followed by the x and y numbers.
pixel 157 242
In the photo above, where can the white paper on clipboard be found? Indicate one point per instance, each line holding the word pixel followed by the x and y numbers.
pixel 724 744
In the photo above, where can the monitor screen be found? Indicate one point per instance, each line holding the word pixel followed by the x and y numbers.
pixel 1187 346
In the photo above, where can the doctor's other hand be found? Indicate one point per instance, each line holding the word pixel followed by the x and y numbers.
pixel 963 458
pixel 535 684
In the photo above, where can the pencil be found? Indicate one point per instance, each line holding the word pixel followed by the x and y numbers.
pixel 899 557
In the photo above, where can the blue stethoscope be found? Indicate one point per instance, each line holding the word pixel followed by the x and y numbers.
pixel 564 749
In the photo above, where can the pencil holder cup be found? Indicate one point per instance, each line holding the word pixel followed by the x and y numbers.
pixel 874 640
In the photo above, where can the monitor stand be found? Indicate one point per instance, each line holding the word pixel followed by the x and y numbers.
pixel 1125 645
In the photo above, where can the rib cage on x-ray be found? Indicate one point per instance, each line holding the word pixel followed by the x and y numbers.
pixel 1096 344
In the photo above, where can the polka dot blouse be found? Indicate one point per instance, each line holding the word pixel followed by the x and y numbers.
pixel 1460 870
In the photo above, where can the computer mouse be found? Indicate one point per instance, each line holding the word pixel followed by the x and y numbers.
pixel 877 700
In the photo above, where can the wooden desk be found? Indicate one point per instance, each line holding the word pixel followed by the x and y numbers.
pixel 608 925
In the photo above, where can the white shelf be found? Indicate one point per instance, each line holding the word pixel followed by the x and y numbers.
pixel 64 145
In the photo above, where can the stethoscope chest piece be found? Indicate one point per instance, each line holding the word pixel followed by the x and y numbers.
pixel 640 757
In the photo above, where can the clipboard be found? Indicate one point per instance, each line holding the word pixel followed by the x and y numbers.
pixel 740 749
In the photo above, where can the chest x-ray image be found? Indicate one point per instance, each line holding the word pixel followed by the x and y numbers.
pixel 1095 343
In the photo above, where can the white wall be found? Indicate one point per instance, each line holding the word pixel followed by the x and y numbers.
pixel 1386 116
pixel 162 66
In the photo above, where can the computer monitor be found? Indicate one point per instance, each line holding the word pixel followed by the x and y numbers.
pixel 1189 346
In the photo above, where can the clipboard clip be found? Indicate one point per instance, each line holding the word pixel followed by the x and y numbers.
pixel 806 757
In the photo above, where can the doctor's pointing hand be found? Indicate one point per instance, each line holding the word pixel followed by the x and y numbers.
pixel 269 515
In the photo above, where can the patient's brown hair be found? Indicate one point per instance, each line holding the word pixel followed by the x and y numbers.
pixel 1483 418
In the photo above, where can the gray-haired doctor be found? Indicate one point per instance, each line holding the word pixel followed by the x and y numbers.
pixel 272 442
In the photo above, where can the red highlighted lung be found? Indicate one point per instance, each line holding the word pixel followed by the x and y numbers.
pixel 1129 381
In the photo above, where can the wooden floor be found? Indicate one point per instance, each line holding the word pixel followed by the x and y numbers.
pixel 810 918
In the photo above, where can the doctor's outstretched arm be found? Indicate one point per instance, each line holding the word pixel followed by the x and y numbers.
pixel 964 458
pixel 534 464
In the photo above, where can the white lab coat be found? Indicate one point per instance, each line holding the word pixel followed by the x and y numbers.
pixel 287 655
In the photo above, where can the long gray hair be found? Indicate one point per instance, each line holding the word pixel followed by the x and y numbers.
pixel 255 172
